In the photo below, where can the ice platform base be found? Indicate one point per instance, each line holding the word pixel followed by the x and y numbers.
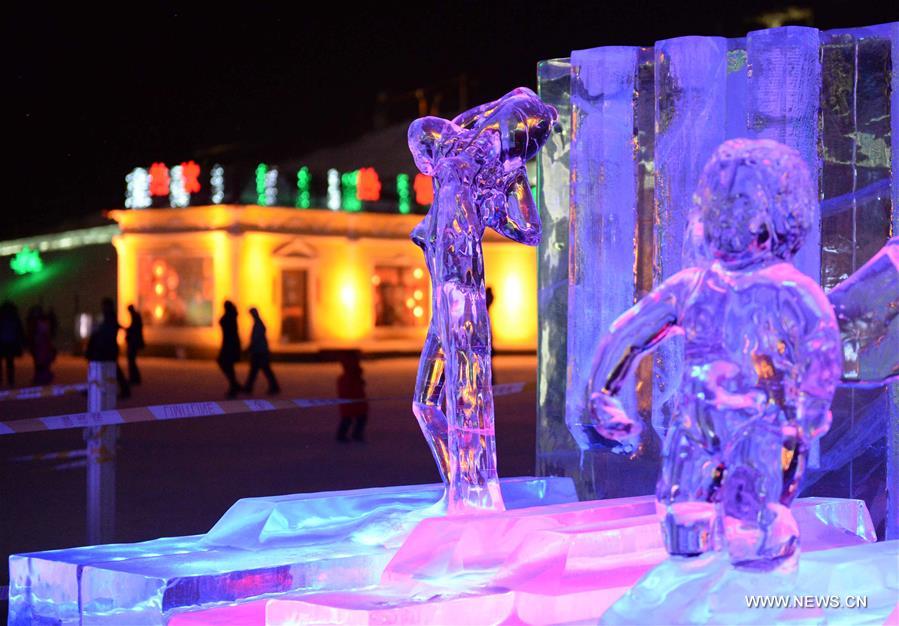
pixel 548 565
pixel 854 585
pixel 261 546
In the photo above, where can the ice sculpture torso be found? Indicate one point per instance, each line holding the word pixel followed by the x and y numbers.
pixel 477 164
pixel 761 362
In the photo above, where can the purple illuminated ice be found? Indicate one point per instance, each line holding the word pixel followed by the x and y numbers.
pixel 477 162
pixel 762 360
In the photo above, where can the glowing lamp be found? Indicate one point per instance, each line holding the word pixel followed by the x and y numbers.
pixel 424 189
pixel 402 193
pixel 368 185
pixel 159 180
pixel 27 261
pixel 349 182
pixel 217 182
pixel 304 182
pixel 348 295
pixel 190 174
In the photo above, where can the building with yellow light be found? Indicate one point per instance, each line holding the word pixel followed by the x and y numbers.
pixel 320 247
pixel 320 279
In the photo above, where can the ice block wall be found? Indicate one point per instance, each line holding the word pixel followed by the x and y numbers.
pixel 892 430
pixel 553 165
pixel 604 206
pixel 690 121
pixel 858 108
pixel 642 123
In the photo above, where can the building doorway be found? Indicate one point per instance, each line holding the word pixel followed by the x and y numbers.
pixel 294 306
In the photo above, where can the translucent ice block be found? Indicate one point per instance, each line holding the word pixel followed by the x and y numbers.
pixel 550 565
pixel 691 86
pixel 857 106
pixel 608 174
pixel 784 92
pixel 556 453
pixel 831 584
pixel 511 547
pixel 332 540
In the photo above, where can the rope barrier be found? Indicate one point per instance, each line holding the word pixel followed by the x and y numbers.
pixel 50 456
pixel 47 391
pixel 163 412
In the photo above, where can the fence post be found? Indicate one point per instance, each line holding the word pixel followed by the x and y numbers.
pixel 101 450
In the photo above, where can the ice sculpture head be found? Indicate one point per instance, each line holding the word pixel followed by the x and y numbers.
pixel 754 201
pixel 512 128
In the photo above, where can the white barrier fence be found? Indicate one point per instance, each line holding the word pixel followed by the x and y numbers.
pixel 101 421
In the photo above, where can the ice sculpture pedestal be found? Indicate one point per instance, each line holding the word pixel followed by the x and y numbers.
pixel 318 541
pixel 852 585
pixel 543 565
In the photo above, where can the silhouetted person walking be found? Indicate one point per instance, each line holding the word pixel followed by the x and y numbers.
pixel 12 340
pixel 351 386
pixel 40 344
pixel 229 354
pixel 134 342
pixel 103 344
pixel 260 357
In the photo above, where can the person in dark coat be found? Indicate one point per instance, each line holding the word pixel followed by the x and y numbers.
pixel 351 386
pixel 134 342
pixel 103 344
pixel 229 354
pixel 260 357
pixel 12 340
pixel 40 344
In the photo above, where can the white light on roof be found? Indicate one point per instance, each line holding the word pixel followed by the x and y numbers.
pixel 138 189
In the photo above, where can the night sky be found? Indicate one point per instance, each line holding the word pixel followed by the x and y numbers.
pixel 95 94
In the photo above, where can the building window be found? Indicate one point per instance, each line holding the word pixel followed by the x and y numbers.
pixel 401 296
pixel 175 291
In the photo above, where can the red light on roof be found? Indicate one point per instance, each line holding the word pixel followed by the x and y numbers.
pixel 190 171
pixel 159 180
pixel 424 189
pixel 368 185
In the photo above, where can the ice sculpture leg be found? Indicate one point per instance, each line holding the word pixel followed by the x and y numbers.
pixel 428 401
pixel 473 480
pixel 685 494
pixel 761 479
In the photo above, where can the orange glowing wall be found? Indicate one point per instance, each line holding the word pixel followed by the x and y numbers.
pixel 511 271
pixel 247 270
pixel 218 245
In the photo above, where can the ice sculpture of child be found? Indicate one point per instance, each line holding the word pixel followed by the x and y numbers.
pixel 477 162
pixel 762 359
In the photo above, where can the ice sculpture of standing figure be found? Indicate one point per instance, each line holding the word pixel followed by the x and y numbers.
pixel 762 359
pixel 477 162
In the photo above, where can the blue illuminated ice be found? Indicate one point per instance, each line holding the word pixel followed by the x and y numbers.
pixel 867 308
pixel 477 161
pixel 761 361
pixel 848 585
pixel 261 546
